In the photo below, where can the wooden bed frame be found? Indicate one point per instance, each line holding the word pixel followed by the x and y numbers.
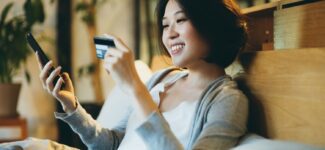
pixel 286 89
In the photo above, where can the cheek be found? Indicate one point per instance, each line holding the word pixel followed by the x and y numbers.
pixel 197 46
pixel 196 42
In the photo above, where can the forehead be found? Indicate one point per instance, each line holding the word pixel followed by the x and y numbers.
pixel 171 8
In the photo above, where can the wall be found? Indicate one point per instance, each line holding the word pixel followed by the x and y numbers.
pixel 114 17
pixel 34 103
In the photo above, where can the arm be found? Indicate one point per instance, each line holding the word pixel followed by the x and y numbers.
pixel 225 123
pixel 91 133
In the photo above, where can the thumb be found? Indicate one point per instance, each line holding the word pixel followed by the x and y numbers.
pixel 67 81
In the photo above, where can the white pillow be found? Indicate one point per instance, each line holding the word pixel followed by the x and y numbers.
pixel 35 144
pixel 117 103
pixel 255 142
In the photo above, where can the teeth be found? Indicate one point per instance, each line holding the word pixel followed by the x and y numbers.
pixel 177 47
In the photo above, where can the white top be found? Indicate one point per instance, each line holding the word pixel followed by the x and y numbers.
pixel 179 119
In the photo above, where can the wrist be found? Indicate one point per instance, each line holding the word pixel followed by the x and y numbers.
pixel 70 107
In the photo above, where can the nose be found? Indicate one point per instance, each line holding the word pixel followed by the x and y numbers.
pixel 172 33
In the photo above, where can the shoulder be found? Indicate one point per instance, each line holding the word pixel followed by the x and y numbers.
pixel 228 98
pixel 229 106
pixel 229 90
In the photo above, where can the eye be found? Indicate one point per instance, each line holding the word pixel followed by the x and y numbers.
pixel 181 20
pixel 165 26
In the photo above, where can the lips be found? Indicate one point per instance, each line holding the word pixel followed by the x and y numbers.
pixel 177 48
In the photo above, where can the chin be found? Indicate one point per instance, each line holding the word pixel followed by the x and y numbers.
pixel 179 63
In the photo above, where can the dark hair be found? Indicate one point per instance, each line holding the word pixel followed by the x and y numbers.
pixel 219 22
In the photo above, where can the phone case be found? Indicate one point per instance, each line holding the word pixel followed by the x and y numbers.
pixel 43 58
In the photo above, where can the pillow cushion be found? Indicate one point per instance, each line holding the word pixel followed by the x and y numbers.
pixel 256 142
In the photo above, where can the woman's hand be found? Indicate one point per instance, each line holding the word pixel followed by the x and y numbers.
pixel 64 94
pixel 119 62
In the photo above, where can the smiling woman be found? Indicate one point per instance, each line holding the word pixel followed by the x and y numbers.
pixel 199 107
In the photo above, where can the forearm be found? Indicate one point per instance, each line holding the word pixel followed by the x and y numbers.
pixel 142 101
pixel 91 133
pixel 154 130
pixel 157 134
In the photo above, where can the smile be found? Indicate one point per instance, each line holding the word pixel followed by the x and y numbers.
pixel 177 48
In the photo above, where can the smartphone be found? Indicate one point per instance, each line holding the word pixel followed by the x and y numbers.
pixel 102 44
pixel 43 58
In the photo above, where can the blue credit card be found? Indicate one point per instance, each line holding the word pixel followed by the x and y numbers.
pixel 101 51
pixel 102 44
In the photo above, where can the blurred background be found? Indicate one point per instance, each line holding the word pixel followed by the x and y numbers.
pixel 65 29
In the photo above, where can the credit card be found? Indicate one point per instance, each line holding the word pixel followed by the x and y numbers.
pixel 102 44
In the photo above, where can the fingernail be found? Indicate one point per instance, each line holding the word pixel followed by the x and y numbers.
pixel 63 76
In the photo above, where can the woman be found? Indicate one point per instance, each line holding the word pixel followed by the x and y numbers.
pixel 198 107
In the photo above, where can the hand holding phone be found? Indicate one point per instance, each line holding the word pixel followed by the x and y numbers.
pixel 102 44
pixel 66 96
pixel 42 56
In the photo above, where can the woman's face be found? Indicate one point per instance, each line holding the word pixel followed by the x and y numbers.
pixel 181 39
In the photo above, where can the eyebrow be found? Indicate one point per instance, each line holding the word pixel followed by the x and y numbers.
pixel 177 12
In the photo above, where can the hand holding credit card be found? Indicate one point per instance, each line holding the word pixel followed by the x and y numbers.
pixel 102 44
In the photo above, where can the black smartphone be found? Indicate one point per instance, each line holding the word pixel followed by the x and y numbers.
pixel 43 58
pixel 102 44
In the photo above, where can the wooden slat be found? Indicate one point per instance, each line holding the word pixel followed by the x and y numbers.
pixel 300 27
pixel 262 7
pixel 287 93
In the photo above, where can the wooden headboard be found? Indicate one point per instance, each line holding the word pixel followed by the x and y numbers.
pixel 286 89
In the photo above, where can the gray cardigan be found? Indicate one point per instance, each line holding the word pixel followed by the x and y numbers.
pixel 219 122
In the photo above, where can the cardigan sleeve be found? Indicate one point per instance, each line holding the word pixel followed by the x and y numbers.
pixel 225 122
pixel 93 135
pixel 157 135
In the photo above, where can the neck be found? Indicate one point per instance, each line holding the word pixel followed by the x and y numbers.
pixel 201 74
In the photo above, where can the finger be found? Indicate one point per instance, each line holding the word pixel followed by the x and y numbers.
pixel 113 52
pixel 118 42
pixel 111 60
pixel 109 63
pixel 50 79
pixel 67 81
pixel 45 73
pixel 38 60
pixel 57 88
